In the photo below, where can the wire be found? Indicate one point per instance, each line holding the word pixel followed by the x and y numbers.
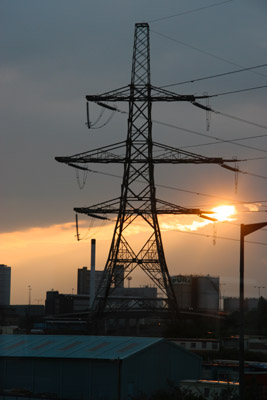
pixel 233 140
pixel 203 51
pixel 185 191
pixel 214 76
pixel 217 140
pixel 189 11
pixel 237 91
pixel 219 237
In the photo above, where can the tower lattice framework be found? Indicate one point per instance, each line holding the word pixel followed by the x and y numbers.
pixel 137 200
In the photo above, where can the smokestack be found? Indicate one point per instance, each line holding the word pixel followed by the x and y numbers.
pixel 92 273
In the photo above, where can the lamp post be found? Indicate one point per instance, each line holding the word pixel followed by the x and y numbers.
pixel 244 231
pixel 259 288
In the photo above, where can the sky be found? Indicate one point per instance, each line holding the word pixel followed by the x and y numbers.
pixel 52 55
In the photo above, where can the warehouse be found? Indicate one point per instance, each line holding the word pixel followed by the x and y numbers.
pixel 92 367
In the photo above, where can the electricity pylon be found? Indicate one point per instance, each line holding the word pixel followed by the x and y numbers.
pixel 138 195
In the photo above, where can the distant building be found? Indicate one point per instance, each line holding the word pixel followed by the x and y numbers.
pixel 197 344
pixel 59 303
pixel 5 281
pixel 84 279
pixel 197 292
pixel 231 304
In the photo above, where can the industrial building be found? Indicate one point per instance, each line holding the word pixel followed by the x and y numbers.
pixel 92 367
pixel 197 344
pixel 5 281
pixel 59 303
pixel 231 304
pixel 84 280
pixel 197 292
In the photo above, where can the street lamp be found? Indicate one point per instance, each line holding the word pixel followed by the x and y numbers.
pixel 244 231
pixel 259 287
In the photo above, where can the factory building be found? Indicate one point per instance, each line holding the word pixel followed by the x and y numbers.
pixel 5 281
pixel 92 367
pixel 60 303
pixel 196 292
pixel 84 280
pixel 231 304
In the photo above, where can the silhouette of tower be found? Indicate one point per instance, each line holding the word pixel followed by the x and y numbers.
pixel 137 200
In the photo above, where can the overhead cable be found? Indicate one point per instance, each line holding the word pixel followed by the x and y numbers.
pixel 183 190
pixel 214 76
pixel 203 51
pixel 219 237
pixel 236 91
pixel 188 12
pixel 218 140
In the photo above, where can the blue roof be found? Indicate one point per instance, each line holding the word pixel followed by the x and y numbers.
pixel 59 346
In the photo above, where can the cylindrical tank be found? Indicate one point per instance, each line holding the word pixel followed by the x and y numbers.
pixel 208 293
pixel 182 286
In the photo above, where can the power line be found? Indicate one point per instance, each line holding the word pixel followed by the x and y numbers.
pixel 233 140
pixel 217 140
pixel 203 51
pixel 255 158
pixel 185 191
pixel 219 237
pixel 189 11
pixel 237 91
pixel 214 76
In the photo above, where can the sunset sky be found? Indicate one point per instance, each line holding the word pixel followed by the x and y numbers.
pixel 52 55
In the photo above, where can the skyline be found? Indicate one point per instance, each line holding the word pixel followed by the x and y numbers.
pixel 45 76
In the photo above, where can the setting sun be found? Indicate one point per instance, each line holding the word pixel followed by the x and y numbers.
pixel 223 213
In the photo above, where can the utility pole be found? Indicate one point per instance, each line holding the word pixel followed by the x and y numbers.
pixel 138 199
pixel 244 231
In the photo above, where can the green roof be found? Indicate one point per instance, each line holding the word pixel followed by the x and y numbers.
pixel 59 346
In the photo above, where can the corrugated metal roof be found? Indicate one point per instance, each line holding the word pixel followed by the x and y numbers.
pixel 59 346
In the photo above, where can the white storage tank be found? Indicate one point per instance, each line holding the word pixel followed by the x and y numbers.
pixel 182 286
pixel 207 293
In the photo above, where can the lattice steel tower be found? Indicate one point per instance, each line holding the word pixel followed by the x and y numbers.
pixel 138 196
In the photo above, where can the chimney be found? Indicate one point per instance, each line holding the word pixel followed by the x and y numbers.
pixel 92 273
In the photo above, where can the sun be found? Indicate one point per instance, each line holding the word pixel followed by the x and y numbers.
pixel 223 213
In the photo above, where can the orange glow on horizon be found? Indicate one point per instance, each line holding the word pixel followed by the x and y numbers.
pixel 48 257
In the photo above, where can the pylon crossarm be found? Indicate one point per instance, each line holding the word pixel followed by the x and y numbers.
pixel 139 92
pixel 167 155
pixel 113 207
pixel 112 95
pixel 170 208
pixel 102 154
pixel 171 154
